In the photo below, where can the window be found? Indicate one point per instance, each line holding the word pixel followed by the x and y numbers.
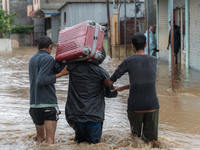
pixel 65 17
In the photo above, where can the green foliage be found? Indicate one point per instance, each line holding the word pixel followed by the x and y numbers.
pixel 0 4
pixel 6 20
pixel 21 29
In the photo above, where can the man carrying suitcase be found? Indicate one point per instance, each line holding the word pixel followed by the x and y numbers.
pixel 85 105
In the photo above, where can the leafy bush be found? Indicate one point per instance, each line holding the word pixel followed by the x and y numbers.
pixel 21 29
pixel 6 20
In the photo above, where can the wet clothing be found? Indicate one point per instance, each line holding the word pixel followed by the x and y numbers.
pixel 39 115
pixel 85 105
pixel 152 42
pixel 89 131
pixel 150 124
pixel 85 100
pixel 142 77
pixel 142 94
pixel 177 40
pixel 42 79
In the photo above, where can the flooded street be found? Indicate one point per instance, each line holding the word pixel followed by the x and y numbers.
pixel 179 121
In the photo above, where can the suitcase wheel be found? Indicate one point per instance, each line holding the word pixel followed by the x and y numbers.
pixel 86 50
pixel 103 28
pixel 98 55
pixel 91 23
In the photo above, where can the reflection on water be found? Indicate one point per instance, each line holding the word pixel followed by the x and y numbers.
pixel 179 122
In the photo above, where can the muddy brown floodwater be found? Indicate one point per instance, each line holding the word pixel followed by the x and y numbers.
pixel 179 121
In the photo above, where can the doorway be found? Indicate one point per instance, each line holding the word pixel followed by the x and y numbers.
pixel 179 15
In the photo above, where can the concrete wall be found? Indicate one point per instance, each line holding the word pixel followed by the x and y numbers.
pixel 194 34
pixel 36 5
pixel 55 26
pixel 20 40
pixel 152 13
pixel 20 7
pixel 39 29
pixel 5 45
pixel 5 5
pixel 163 31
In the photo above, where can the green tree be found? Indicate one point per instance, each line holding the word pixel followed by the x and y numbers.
pixel 6 20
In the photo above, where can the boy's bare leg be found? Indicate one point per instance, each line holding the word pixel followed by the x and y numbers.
pixel 40 133
pixel 50 127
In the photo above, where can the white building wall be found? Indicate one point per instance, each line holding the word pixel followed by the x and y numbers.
pixel 163 29
pixel 194 34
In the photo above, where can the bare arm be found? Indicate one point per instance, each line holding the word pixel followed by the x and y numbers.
pixel 63 72
pixel 122 68
pixel 168 46
pixel 121 88
pixel 108 82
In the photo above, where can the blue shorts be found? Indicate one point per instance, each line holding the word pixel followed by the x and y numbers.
pixel 89 131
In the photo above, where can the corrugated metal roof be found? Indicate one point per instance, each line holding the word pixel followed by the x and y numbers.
pixel 95 1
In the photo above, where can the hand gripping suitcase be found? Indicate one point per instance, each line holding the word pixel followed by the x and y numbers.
pixel 82 42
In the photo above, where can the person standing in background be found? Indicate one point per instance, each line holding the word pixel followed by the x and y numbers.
pixel 177 42
pixel 152 41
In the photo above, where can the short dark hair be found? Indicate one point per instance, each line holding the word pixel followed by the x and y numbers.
pixel 44 42
pixel 139 41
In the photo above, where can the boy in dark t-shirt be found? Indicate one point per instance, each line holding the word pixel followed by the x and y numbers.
pixel 143 105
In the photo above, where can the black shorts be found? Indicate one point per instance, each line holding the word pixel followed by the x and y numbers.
pixel 39 115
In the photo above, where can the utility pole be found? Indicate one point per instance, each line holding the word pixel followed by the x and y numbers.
pixel 109 32
pixel 172 41
pixel 125 28
pixel 135 18
pixel 118 21
pixel 147 18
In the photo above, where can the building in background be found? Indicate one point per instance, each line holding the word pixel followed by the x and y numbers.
pixel 21 20
pixel 16 6
pixel 77 11
pixel 186 15
pixel 46 17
